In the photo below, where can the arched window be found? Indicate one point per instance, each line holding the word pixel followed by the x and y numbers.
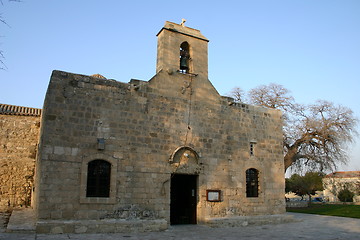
pixel 252 182
pixel 98 179
pixel 184 57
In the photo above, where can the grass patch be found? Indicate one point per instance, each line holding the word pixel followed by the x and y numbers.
pixel 352 211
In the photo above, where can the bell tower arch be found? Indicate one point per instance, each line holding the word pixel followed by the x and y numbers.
pixel 182 65
pixel 185 58
pixel 193 47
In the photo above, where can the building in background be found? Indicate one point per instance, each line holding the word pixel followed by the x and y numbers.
pixel 336 181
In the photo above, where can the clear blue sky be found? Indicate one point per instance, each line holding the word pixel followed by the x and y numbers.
pixel 310 47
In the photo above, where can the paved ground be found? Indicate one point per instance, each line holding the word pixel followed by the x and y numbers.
pixel 313 227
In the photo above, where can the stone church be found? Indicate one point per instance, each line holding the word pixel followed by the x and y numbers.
pixel 142 155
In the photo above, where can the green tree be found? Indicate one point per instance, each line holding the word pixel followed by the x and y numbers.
pixel 345 195
pixel 305 185
pixel 315 136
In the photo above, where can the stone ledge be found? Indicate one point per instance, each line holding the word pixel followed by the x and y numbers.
pixel 100 226
pixel 22 221
pixel 243 221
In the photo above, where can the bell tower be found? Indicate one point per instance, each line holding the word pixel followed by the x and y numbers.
pixel 182 49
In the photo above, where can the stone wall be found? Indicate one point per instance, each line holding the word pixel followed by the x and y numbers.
pixel 335 182
pixel 18 145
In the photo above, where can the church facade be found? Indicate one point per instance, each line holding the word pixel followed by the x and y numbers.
pixel 139 156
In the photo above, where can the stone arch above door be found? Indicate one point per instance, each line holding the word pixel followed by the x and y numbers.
pixel 185 160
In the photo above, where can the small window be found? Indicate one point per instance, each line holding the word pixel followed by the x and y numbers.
pixel 252 148
pixel 252 182
pixel 98 179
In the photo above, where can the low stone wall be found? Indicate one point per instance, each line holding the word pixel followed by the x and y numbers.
pixel 18 147
pixel 243 221
pixel 297 204
pixel 344 203
pixel 101 226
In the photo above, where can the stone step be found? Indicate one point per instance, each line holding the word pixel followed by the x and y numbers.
pixel 22 221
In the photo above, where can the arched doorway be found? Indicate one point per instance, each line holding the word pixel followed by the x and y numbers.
pixel 183 199
pixel 184 186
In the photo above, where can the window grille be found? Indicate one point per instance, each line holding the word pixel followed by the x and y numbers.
pixel 252 145
pixel 252 182
pixel 98 179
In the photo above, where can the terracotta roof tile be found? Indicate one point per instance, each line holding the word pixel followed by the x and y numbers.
pixel 347 174
pixel 6 109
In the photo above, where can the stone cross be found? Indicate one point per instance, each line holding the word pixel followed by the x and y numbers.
pixel 183 22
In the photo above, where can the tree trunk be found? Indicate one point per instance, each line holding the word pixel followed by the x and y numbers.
pixel 290 157
pixel 292 154
pixel 287 161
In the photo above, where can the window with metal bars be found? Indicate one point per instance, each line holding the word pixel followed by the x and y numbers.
pixel 252 148
pixel 252 182
pixel 98 179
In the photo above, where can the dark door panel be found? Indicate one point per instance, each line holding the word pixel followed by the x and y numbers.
pixel 183 199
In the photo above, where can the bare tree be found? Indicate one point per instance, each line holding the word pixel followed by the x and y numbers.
pixel 238 94
pixel 2 64
pixel 2 20
pixel 271 96
pixel 315 136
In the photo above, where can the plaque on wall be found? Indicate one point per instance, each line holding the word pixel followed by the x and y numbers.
pixel 213 195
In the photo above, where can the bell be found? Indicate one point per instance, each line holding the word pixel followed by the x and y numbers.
pixel 184 63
